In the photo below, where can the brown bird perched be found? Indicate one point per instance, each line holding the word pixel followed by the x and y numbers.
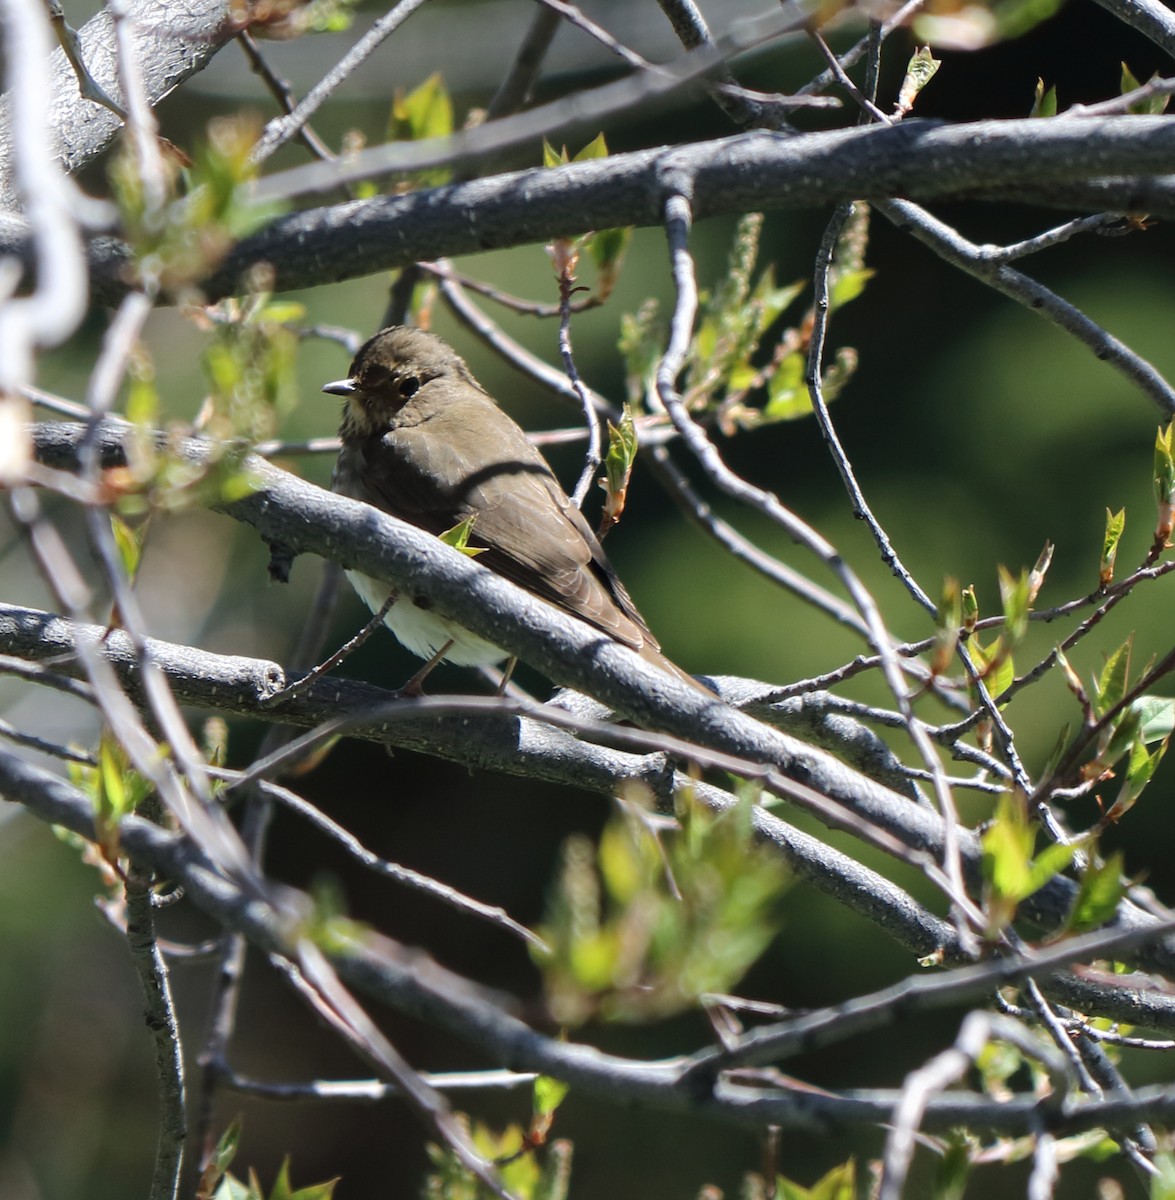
pixel 424 441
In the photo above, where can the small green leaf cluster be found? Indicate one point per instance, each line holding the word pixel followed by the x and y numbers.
pixel 1011 870
pixel 1044 102
pixel 324 16
pixel 725 374
pixel 1152 105
pixel 605 247
pixel 518 1167
pixel 995 1067
pixel 646 924
pixel 115 790
pixel 178 239
pixel 458 537
pixel 840 1183
pixel 327 925
pixel 251 363
pixel 920 70
pixel 618 464
pixel 963 25
pixel 424 112
pixel 217 1184
pixel 994 660
pixel 1137 729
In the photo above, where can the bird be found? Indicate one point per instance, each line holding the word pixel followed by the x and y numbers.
pixel 424 441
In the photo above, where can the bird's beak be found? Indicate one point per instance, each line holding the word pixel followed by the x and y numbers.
pixel 340 387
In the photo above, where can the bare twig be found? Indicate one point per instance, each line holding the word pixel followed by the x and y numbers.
pixel 165 1036
pixel 957 250
pixel 281 129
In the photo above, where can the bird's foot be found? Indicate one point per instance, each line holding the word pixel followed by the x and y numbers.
pixel 415 685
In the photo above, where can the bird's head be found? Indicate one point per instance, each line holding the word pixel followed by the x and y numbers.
pixel 388 372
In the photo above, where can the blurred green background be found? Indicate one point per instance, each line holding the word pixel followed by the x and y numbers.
pixel 978 432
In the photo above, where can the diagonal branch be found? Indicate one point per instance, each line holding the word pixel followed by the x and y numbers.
pixel 285 508
pixel 412 983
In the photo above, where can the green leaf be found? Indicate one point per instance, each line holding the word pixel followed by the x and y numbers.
pixel 1010 870
pixel 1015 592
pixel 316 1191
pixel 425 112
pixel 549 1094
pixel 553 157
pixel 1049 863
pixel 1110 685
pixel 618 464
pixel 324 16
pixel 770 302
pixel 1164 470
pixel 1156 717
pixel 607 246
pixel 219 1161
pixel 1164 485
pixel 996 665
pixel 1040 570
pixel 181 240
pixel 848 286
pixel 233 1189
pixel 920 70
pixel 1163 1181
pixel 949 622
pixel 677 916
pixel 1059 747
pixel 1099 891
pixel 596 148
pixel 1007 850
pixel 788 397
pixel 1140 770
pixel 640 343
pixel 282 312
pixel 1152 105
pixel 954 1167
pixel 114 795
pixel 623 867
pixel 129 543
pixel 1014 18
pixel 1119 737
pixel 1044 101
pixel 837 1184
pixel 458 537
pixel 1115 524
pixel 142 400
pixel 281 1185
pixel 970 607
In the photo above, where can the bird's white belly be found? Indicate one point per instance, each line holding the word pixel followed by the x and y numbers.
pixel 424 631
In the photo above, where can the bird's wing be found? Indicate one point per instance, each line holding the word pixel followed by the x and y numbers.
pixel 531 533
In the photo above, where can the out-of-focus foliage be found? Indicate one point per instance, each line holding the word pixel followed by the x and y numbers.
pixel 653 920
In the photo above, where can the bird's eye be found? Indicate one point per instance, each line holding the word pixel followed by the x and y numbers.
pixel 409 386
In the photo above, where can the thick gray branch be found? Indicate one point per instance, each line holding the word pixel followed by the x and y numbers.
pixel 917 160
pixel 285 509
pixel 1116 161
pixel 510 744
pixel 411 983
pixel 289 511
pixel 175 40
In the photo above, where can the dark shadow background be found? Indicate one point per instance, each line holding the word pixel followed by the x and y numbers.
pixel 978 432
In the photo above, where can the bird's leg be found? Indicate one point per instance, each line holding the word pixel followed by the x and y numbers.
pixel 329 664
pixel 415 685
pixel 511 663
